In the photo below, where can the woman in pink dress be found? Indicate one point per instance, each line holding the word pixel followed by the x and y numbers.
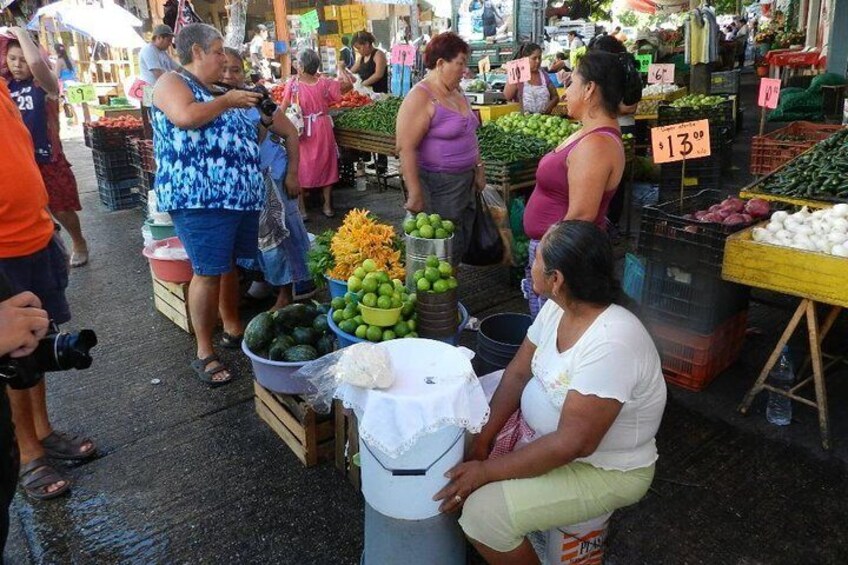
pixel 319 165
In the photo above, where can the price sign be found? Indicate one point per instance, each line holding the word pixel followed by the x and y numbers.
pixel 661 74
pixel 137 89
pixel 518 71
pixel 147 98
pixel 309 21
pixel 484 65
pixel 403 55
pixel 644 62
pixel 769 93
pixel 690 140
pixel 80 93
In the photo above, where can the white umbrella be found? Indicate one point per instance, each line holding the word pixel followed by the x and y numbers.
pixel 109 24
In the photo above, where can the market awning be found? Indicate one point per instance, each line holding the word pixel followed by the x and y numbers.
pixel 109 24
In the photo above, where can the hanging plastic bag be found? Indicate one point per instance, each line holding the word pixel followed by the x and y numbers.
pixel 294 113
pixel 500 215
pixel 485 247
pixel 516 217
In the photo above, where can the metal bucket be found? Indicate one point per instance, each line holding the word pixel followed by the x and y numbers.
pixel 438 313
pixel 417 251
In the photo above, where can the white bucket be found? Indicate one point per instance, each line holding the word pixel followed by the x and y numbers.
pixel 581 544
pixel 403 487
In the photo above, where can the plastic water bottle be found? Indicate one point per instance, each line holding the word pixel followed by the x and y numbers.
pixel 361 179
pixel 782 376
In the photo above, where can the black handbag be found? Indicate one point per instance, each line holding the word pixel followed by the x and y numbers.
pixel 485 246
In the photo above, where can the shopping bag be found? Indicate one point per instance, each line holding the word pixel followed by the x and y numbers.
pixel 294 112
pixel 485 247
pixel 497 208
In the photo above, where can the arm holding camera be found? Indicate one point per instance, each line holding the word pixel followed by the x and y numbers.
pixel 22 324
pixel 176 100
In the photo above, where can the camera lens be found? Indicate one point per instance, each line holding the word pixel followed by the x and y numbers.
pixel 64 351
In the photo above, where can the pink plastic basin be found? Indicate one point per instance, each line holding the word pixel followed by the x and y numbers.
pixel 169 270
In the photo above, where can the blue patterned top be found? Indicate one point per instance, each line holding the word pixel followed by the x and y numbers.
pixel 214 166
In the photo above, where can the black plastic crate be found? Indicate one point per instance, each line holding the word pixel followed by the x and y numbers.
pixel 690 300
pixel 666 236
pixel 725 82
pixel 700 174
pixel 113 165
pixel 119 195
pixel 109 139
pixel 86 134
pixel 719 115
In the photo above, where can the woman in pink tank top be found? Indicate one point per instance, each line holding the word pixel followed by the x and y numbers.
pixel 437 141
pixel 577 180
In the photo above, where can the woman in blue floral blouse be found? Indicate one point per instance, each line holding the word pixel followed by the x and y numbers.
pixel 209 179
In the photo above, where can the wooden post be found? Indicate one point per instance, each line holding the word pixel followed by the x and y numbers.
pixel 762 120
pixel 282 33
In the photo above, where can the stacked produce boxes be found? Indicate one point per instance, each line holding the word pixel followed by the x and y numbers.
pixel 141 157
pixel 117 177
pixel 697 319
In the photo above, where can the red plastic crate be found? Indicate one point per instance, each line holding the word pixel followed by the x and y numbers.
pixel 775 149
pixel 691 360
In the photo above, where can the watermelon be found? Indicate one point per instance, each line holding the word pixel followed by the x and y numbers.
pixel 300 353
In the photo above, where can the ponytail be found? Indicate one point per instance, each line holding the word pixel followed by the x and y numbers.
pixel 632 89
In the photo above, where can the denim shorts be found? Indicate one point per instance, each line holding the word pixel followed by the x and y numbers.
pixel 215 238
pixel 45 274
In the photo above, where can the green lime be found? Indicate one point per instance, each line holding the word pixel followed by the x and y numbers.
pixel 432 261
pixel 412 334
pixel 369 265
pixel 337 303
pixel 452 283
pixel 384 303
pixel 435 218
pixel 436 225
pixel 370 300
pixel 387 289
pixel 401 329
pixel 374 333
pixel 421 216
pixel 423 285
pixel 388 335
pixel 440 234
pixel 348 327
pixel 359 321
pixel 448 226
pixel 412 325
pixel 350 312
pixel 398 285
pixel 409 226
pixel 396 302
pixel 351 298
pixel 360 273
pixel 418 275
pixel 427 232
pixel 338 315
pixel 412 298
pixel 421 223
pixel 383 278
pixel 445 269
pixel 432 274
pixel 407 309
pixel 354 284
pixel 415 233
pixel 440 286
pixel 370 284
pixel 361 331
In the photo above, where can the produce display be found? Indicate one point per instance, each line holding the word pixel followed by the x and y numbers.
pixel 379 117
pixel 121 122
pixel 477 86
pixel 362 237
pixel 822 231
pixel 352 99
pixel 732 212
pixel 428 226
pixel 370 292
pixel 296 333
pixel 653 95
pixel 319 258
pixel 697 101
pixel 822 172
pixel 436 277
pixel 277 92
pixel 659 90
pixel 552 129
pixel 496 144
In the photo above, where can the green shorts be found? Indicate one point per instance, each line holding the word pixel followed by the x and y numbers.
pixel 499 515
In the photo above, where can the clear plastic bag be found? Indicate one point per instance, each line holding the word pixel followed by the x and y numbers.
pixel 500 215
pixel 365 365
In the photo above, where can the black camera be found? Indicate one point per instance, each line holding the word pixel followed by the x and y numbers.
pixel 57 351
pixel 266 104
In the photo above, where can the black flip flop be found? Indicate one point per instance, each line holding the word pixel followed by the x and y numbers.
pixel 207 376
pixel 39 474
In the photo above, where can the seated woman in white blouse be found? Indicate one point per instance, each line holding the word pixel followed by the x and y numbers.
pixel 572 426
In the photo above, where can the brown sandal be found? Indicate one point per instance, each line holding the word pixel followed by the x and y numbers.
pixel 67 447
pixel 37 475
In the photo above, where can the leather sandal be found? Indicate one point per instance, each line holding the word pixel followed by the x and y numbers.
pixel 59 445
pixel 207 376
pixel 37 475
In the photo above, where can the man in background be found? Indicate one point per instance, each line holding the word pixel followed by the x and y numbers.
pixel 154 57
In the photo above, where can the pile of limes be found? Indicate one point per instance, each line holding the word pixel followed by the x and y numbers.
pixel 428 226
pixel 374 289
pixel 552 129
pixel 436 276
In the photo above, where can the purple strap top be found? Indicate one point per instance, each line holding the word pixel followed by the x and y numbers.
pixel 450 145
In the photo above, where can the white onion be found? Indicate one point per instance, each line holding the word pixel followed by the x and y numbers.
pixel 783 236
pixel 779 216
pixel 804 229
pixel 818 214
pixel 774 227
pixel 839 251
pixel 840 210
pixel 839 224
pixel 837 237
pixel 760 234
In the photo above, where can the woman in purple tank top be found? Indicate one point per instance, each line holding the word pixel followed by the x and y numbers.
pixel 437 141
pixel 577 180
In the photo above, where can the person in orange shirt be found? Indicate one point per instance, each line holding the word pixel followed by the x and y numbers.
pixel 33 258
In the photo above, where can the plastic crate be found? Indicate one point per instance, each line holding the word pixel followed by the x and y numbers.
pixel 692 361
pixel 634 277
pixel 690 300
pixel 719 115
pixel 120 195
pixel 666 236
pixel 113 165
pixel 700 174
pixel 86 134
pixel 773 150
pixel 726 82
pixel 111 139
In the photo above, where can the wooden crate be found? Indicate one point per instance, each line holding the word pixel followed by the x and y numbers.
pixel 172 301
pixel 309 435
pixel 372 142
pixel 347 445
pixel 806 274
pixel 755 190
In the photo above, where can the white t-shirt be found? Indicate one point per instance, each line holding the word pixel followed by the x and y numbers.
pixel 153 58
pixel 614 358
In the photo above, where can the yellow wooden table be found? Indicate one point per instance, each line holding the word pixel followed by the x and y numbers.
pixel 491 113
pixel 814 277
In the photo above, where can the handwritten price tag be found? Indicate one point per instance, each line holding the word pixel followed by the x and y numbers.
pixel 81 93
pixel 518 71
pixel 660 74
pixel 403 55
pixel 644 62
pixel 690 140
pixel 484 65
pixel 769 93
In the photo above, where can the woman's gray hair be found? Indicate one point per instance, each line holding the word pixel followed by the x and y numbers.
pixel 201 35
pixel 309 61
